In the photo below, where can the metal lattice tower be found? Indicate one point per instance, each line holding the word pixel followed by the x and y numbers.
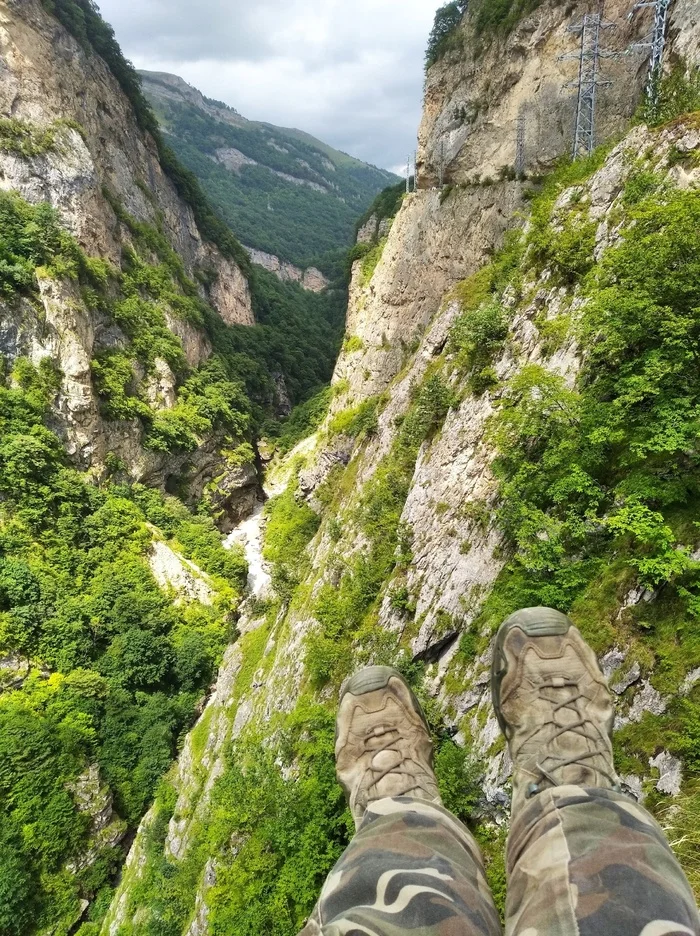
pixel 520 146
pixel 408 175
pixel 589 80
pixel 654 43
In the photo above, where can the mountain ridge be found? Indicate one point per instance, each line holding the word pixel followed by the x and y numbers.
pixel 281 190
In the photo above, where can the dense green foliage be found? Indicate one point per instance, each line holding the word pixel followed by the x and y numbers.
pixel 635 406
pixel 290 526
pixel 78 597
pixel 675 94
pixel 304 420
pixel 480 331
pixel 292 220
pixel 599 481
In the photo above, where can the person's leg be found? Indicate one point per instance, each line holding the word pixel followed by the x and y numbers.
pixel 412 866
pixel 583 859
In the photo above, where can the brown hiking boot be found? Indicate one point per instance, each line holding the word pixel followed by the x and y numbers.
pixel 383 746
pixel 553 705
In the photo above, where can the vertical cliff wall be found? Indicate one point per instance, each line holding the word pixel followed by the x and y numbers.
pixel 462 472
pixel 69 137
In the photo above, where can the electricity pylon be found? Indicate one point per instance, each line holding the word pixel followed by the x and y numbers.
pixel 654 43
pixel 589 80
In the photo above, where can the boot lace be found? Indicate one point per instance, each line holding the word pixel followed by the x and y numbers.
pixel 551 763
pixel 377 740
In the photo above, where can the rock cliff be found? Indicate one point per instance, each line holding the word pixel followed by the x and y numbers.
pixel 70 138
pixel 311 278
pixel 425 499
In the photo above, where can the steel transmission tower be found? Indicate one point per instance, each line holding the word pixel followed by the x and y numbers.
pixel 589 80
pixel 654 43
pixel 520 146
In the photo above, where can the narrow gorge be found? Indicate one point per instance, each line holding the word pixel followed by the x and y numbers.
pixel 212 512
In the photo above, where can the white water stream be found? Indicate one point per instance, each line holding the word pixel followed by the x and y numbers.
pixel 248 534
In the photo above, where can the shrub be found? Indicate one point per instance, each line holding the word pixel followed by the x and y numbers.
pixel 427 414
pixel 352 344
pixel 674 94
pixel 370 261
pixel 442 36
pixel 357 421
pixel 290 526
pixel 477 337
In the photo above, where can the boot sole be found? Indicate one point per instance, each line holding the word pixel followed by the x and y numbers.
pixel 372 678
pixel 535 622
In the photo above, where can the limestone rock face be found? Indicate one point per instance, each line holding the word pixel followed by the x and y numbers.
pixel 173 571
pixel 49 80
pixel 93 798
pixel 433 244
pixel 368 231
pixel 311 278
pixel 399 323
pixel 49 77
pixel 475 94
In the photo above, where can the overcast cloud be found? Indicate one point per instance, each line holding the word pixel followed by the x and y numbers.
pixel 351 73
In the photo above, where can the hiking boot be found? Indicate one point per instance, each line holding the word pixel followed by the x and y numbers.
pixel 383 746
pixel 553 705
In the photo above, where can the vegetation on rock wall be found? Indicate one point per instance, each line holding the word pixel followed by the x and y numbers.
pixel 76 596
pixel 443 35
pixel 599 481
pixel 486 16
pixel 297 334
pixel 675 93
pixel 385 205
pixel 583 521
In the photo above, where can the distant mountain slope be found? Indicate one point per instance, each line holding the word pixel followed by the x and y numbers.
pixel 281 190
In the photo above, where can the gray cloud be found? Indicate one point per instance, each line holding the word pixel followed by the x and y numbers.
pixel 349 73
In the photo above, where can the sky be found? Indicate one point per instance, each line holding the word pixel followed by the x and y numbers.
pixel 348 71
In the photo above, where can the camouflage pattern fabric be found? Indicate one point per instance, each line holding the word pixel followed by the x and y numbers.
pixel 580 862
pixel 592 861
pixel 411 868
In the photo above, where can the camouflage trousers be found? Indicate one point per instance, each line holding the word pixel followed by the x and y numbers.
pixel 580 862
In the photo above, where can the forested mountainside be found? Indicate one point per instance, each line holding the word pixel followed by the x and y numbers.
pixel 281 191
pixel 513 419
